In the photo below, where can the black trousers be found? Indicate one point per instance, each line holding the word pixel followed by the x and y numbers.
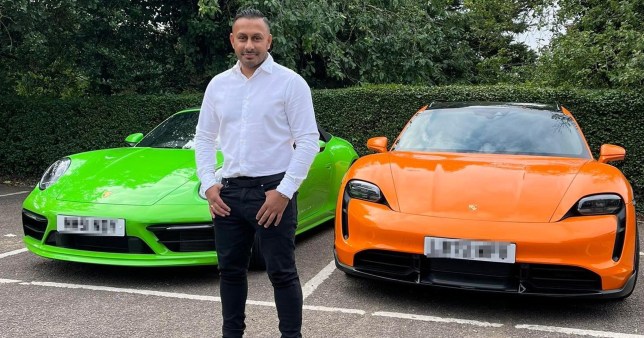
pixel 234 236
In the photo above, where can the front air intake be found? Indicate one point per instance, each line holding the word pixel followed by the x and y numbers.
pixel 185 237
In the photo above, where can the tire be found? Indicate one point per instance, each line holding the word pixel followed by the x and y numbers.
pixel 257 262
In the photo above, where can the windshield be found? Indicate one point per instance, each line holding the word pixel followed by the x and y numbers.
pixel 178 131
pixel 494 130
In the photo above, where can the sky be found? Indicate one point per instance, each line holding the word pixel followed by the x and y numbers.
pixel 535 38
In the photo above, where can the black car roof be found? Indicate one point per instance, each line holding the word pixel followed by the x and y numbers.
pixel 538 106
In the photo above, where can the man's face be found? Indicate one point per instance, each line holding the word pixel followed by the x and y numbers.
pixel 251 40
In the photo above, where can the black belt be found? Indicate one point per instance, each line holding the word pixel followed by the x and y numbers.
pixel 249 182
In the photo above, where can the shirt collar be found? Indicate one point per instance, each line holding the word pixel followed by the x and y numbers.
pixel 266 66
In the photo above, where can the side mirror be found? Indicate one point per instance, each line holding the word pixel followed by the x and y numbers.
pixel 133 139
pixel 322 145
pixel 610 153
pixel 377 144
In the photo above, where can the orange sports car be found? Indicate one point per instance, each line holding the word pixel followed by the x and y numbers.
pixel 499 197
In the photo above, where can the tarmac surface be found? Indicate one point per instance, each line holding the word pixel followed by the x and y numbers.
pixel 40 297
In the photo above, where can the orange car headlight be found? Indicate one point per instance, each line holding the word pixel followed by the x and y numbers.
pixel 604 204
pixel 364 191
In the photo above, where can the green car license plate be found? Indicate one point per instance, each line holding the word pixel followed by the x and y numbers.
pixel 89 225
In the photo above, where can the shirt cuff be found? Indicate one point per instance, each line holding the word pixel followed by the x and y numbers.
pixel 209 182
pixel 205 186
pixel 286 189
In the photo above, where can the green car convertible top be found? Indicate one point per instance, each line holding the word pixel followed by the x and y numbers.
pixel 140 205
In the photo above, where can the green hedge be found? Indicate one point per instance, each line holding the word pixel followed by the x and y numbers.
pixel 35 132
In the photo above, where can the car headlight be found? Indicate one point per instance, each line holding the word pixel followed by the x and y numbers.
pixel 604 204
pixel 364 191
pixel 218 177
pixel 54 172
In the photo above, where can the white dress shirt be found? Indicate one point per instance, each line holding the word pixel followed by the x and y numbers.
pixel 257 120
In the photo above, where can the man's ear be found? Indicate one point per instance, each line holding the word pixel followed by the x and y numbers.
pixel 232 40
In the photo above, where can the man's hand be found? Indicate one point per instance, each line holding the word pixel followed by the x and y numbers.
pixel 272 209
pixel 216 204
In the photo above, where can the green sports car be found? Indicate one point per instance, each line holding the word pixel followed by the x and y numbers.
pixel 141 206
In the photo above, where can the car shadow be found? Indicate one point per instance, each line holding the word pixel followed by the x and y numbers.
pixel 126 276
pixel 315 232
pixel 494 306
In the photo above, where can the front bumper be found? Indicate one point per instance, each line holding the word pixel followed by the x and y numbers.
pixel 573 257
pixel 163 235
pixel 521 287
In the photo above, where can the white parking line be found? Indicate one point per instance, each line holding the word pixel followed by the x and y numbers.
pixel 8 281
pixel 126 290
pixel 436 319
pixel 168 295
pixel 334 309
pixel 14 193
pixel 578 332
pixel 11 253
pixel 318 279
pixel 552 329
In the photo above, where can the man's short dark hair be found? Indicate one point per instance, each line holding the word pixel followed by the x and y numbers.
pixel 251 13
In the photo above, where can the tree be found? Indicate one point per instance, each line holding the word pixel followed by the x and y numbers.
pixel 492 26
pixel 105 47
pixel 334 42
pixel 602 45
pixel 80 47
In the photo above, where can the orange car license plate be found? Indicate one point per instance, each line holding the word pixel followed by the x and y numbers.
pixel 501 252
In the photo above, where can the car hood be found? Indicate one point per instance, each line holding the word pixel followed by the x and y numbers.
pixel 482 187
pixel 130 176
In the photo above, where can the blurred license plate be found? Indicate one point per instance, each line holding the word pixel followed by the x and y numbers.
pixel 88 225
pixel 502 252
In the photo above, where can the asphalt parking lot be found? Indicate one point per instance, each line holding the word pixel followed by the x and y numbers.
pixel 45 298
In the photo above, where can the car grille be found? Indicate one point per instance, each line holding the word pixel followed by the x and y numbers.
pixel 491 276
pixel 470 274
pixel 185 237
pixel 127 244
pixel 556 278
pixel 394 265
pixel 620 234
pixel 33 225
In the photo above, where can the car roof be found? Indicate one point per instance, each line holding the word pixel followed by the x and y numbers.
pixel 191 109
pixel 537 106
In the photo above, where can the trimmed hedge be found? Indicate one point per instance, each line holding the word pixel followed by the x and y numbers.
pixel 36 132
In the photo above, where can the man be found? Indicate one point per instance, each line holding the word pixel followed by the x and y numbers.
pixel 259 110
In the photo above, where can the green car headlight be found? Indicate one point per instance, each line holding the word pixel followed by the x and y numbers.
pixel 364 191
pixel 604 204
pixel 54 172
